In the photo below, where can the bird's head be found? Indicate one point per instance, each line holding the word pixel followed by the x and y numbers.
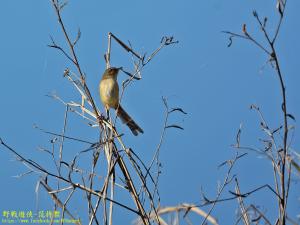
pixel 112 72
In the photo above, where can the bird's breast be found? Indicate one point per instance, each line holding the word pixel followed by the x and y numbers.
pixel 109 93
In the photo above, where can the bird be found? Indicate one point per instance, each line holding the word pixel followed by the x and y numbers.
pixel 109 95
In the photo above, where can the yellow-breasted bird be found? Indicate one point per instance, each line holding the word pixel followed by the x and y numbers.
pixel 109 94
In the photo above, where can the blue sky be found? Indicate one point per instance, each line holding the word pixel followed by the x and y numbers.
pixel 214 84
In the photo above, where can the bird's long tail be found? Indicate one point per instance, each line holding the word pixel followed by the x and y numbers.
pixel 124 116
